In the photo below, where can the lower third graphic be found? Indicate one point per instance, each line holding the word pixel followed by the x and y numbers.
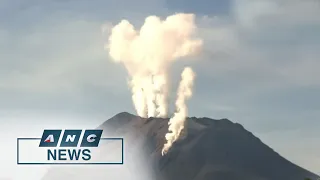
pixel 70 146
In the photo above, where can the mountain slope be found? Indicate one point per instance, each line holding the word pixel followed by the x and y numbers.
pixel 210 149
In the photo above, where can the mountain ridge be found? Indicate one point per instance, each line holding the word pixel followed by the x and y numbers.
pixel 218 123
pixel 209 149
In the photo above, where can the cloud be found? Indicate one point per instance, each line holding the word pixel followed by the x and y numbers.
pixel 52 56
pixel 270 38
pixel 266 68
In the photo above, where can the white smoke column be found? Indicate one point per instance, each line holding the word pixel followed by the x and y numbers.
pixel 177 122
pixel 148 54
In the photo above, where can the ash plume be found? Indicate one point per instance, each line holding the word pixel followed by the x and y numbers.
pixel 147 55
pixel 177 122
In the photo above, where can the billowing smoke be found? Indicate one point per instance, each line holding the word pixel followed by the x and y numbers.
pixel 177 122
pixel 148 54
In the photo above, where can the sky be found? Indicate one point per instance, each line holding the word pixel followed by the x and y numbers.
pixel 259 67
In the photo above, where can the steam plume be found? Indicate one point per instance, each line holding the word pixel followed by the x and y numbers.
pixel 148 54
pixel 177 122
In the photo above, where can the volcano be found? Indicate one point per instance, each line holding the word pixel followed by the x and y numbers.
pixel 207 150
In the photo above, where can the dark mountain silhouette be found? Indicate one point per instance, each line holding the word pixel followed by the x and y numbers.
pixel 209 149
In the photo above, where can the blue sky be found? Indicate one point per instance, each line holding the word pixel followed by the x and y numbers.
pixel 259 67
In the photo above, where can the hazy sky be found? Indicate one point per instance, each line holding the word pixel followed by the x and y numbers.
pixel 260 68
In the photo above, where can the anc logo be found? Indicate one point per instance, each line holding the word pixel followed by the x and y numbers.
pixel 70 146
pixel 70 138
